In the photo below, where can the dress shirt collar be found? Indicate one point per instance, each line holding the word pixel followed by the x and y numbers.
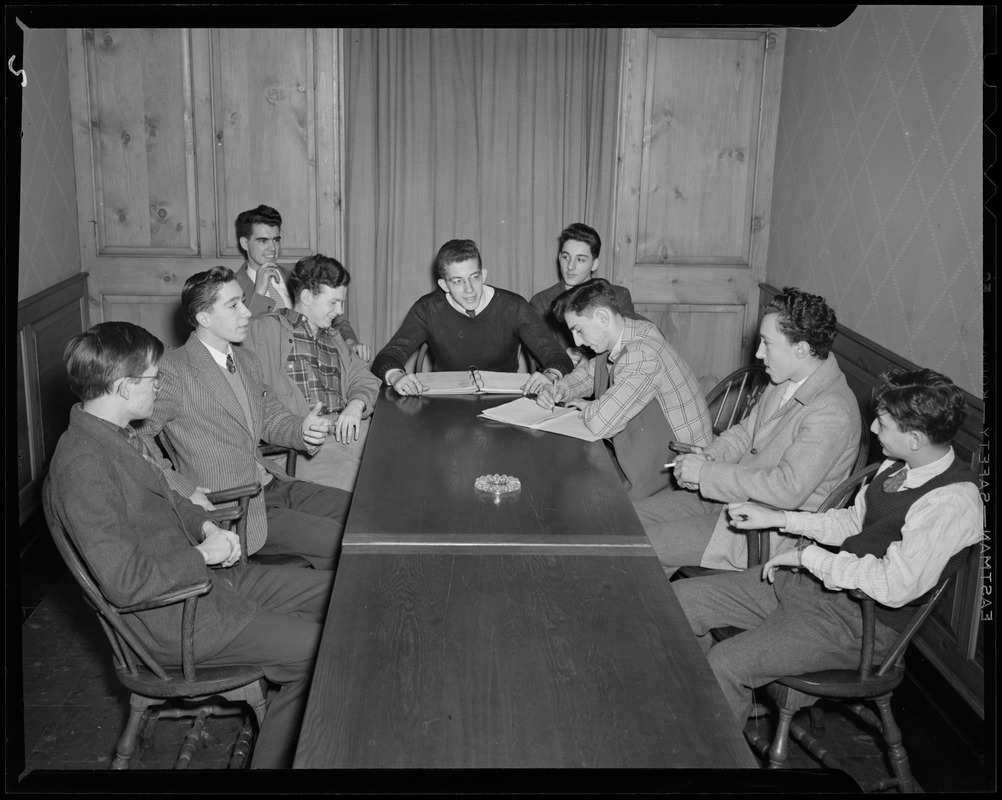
pixel 618 346
pixel 219 358
pixel 485 298
pixel 791 389
pixel 917 476
pixel 127 433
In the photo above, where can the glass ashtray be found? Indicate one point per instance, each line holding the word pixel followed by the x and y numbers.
pixel 497 485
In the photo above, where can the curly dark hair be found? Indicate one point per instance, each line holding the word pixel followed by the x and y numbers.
pixel 315 271
pixel 804 317
pixel 922 400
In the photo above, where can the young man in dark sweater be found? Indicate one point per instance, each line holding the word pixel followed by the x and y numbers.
pixel 470 324
pixel 914 519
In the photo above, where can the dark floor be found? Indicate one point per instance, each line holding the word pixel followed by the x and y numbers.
pixel 74 710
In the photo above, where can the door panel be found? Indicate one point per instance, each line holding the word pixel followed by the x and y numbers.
pixel 696 146
pixel 264 131
pixel 143 164
pixel 700 146
pixel 710 335
pixel 175 131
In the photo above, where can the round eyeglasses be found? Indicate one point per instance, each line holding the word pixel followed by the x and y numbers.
pixel 154 378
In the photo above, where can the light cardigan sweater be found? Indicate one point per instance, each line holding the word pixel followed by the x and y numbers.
pixel 790 457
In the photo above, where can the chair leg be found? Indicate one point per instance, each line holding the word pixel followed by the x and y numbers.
pixel 892 737
pixel 815 747
pixel 151 718
pixel 781 741
pixel 138 709
pixel 243 746
pixel 191 740
pixel 817 720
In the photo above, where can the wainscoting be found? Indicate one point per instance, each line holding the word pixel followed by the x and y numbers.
pixel 45 322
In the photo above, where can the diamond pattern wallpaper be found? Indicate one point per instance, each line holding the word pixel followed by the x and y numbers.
pixel 49 244
pixel 877 201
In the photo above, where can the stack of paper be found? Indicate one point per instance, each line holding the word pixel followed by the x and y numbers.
pixel 527 413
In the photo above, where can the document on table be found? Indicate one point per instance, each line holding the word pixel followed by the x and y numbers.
pixel 527 413
pixel 472 381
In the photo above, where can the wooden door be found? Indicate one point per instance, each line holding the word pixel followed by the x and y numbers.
pixel 696 150
pixel 178 130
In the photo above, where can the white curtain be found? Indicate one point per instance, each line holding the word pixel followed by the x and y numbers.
pixel 500 136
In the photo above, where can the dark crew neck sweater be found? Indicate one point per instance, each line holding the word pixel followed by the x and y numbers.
pixel 488 341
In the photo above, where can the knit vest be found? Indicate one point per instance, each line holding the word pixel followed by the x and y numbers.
pixel 882 523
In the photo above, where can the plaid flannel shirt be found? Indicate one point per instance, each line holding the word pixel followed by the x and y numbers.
pixel 314 364
pixel 643 367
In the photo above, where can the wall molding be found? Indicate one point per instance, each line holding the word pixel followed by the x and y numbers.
pixel 45 322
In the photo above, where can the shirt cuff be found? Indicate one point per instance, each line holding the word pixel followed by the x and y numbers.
pixel 791 525
pixel 389 372
pixel 816 559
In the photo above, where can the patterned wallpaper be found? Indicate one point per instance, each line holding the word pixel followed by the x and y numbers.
pixel 49 243
pixel 877 201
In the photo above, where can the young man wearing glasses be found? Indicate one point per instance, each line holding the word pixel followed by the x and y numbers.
pixel 470 324
pixel 140 539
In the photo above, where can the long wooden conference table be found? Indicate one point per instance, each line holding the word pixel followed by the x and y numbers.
pixel 533 631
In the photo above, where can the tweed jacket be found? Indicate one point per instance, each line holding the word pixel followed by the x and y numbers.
pixel 270 338
pixel 259 304
pixel 790 457
pixel 206 429
pixel 137 537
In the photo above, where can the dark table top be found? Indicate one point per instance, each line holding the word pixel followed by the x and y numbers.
pixel 416 485
pixel 501 660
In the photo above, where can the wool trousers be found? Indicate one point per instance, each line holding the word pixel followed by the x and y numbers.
pixel 790 627
pixel 679 524
pixel 307 519
pixel 282 637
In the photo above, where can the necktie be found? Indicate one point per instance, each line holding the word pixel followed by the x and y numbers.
pixel 275 295
pixel 602 376
pixel 229 363
pixel 894 483
pixel 471 314
pixel 140 446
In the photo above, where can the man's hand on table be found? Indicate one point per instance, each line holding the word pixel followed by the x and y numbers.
pixel 407 383
pixel 551 394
